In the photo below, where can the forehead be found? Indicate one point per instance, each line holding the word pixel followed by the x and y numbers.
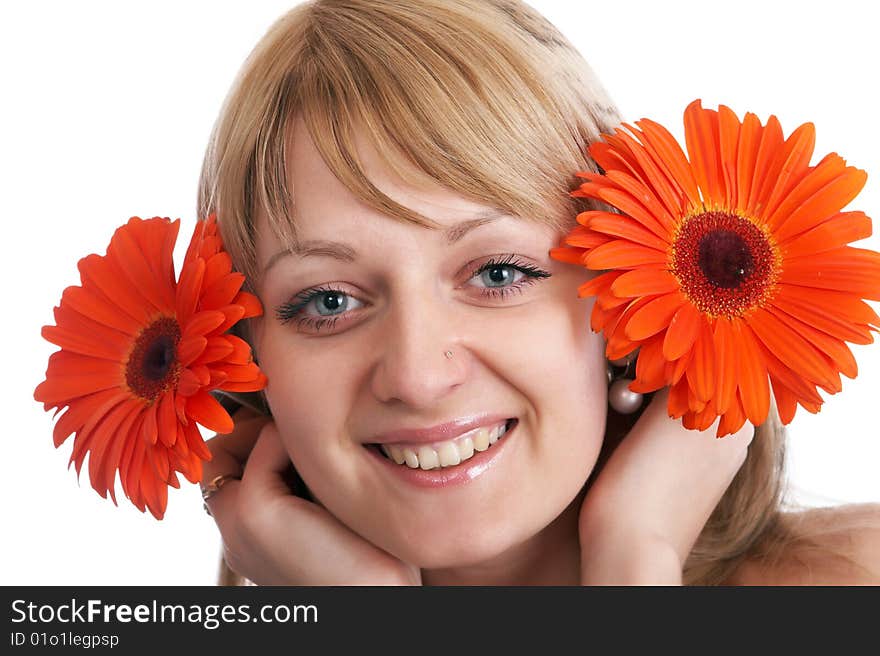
pixel 324 208
pixel 308 174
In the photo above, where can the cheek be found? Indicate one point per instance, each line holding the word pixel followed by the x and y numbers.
pixel 546 350
pixel 565 381
pixel 309 406
pixel 544 358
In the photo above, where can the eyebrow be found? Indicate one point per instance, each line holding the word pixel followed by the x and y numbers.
pixel 345 253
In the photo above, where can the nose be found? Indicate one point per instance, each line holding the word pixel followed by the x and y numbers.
pixel 420 361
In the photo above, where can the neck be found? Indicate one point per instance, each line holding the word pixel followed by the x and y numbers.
pixel 551 557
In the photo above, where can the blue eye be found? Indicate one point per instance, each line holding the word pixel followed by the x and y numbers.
pixel 499 275
pixel 507 275
pixel 328 304
pixel 321 307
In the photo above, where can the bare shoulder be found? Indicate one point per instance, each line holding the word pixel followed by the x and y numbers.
pixel 843 548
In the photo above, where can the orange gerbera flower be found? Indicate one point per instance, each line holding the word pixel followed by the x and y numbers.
pixel 728 267
pixel 139 353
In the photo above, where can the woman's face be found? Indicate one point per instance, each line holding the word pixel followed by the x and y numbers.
pixel 354 343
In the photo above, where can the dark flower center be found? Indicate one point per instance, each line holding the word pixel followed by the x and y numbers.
pixel 152 367
pixel 158 358
pixel 725 258
pixel 724 262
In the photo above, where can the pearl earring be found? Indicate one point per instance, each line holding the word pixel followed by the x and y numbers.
pixel 620 397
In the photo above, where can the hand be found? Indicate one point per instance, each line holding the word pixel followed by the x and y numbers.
pixel 273 537
pixel 645 510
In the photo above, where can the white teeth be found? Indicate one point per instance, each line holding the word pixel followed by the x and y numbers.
pixel 397 455
pixel 466 448
pixel 448 454
pixel 445 454
pixel 495 433
pixel 481 439
pixel 428 458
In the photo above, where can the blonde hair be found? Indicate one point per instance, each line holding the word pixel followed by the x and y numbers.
pixel 486 98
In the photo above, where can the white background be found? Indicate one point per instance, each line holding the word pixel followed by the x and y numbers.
pixel 106 109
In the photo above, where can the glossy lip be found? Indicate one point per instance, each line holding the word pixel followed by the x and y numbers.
pixel 438 433
pixel 443 477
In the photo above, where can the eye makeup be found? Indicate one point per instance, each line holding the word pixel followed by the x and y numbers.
pixel 327 299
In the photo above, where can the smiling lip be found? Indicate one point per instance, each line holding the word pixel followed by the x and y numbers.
pixel 448 477
pixel 440 432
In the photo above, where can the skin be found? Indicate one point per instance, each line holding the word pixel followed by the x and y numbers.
pixel 529 355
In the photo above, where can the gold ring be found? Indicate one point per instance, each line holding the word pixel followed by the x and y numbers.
pixel 214 486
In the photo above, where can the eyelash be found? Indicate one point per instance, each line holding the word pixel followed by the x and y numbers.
pixel 289 311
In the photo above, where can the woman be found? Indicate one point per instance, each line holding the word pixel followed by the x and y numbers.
pixel 390 176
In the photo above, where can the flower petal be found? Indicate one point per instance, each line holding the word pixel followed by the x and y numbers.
pixel 650 367
pixel 754 386
pixel 826 202
pixel 732 420
pixel 92 303
pixel 684 328
pixel 791 348
pixel 625 227
pixel 632 208
pixel 644 282
pixel 795 157
pixel 188 289
pixel 623 254
pixel 250 303
pixel 831 347
pixel 728 141
pixel 569 255
pixel 701 137
pixel 771 141
pixel 166 419
pixel 837 314
pixel 190 348
pixel 205 409
pixel 786 400
pixel 96 273
pixel 701 373
pixel 830 168
pixel 847 269
pixel 837 231
pixel 647 196
pixel 202 323
pixel 677 405
pixel 654 316
pixel 746 157
pixel 222 292
pixel 726 371
pixel 667 150
pixel 583 236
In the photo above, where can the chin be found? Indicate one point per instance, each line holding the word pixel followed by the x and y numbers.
pixel 457 545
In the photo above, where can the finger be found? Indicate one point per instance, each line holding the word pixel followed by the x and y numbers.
pixel 661 454
pixel 689 443
pixel 309 542
pixel 703 463
pixel 267 462
pixel 223 506
pixel 229 452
